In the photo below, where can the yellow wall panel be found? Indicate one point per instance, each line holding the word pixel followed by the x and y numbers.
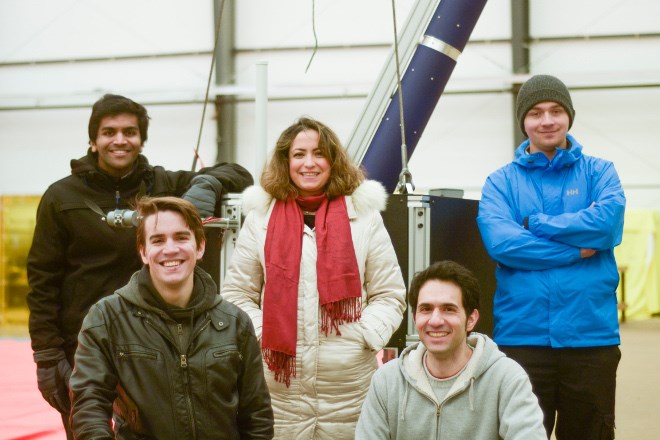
pixel 17 220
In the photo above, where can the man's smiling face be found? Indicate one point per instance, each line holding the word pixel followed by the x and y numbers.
pixel 441 320
pixel 170 251
pixel 118 144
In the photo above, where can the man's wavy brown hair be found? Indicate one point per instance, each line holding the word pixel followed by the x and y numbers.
pixel 148 206
pixel 344 178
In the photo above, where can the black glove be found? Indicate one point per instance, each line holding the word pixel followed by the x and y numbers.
pixel 204 192
pixel 53 373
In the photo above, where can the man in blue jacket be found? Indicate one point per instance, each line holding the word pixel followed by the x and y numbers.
pixel 551 219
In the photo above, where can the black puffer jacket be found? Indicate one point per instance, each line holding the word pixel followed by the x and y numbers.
pixel 208 384
pixel 76 258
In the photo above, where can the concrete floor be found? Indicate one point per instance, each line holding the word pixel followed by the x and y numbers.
pixel 638 381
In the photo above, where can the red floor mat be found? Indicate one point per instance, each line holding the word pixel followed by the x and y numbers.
pixel 24 415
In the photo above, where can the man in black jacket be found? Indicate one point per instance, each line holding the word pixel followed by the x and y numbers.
pixel 79 254
pixel 166 354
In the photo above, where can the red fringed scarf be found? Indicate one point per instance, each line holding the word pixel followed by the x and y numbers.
pixel 337 274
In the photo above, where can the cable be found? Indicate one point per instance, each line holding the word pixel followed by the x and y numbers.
pixel 316 41
pixel 405 184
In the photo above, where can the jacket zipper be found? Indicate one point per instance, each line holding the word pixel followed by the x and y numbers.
pixel 183 363
pixel 184 372
pixel 179 333
pixel 438 409
pixel 184 366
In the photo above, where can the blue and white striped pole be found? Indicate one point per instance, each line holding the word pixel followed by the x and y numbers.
pixel 423 82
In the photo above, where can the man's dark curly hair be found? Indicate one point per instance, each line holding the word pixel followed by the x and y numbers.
pixel 452 272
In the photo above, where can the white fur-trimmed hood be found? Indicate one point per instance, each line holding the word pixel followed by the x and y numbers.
pixel 369 196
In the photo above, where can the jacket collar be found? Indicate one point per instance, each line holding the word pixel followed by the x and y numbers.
pixel 141 292
pixel 484 355
pixel 563 158
pixel 369 196
pixel 87 167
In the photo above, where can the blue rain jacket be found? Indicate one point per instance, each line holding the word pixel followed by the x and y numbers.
pixel 546 294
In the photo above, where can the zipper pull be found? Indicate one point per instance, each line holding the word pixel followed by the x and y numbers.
pixel 117 199
pixel 184 361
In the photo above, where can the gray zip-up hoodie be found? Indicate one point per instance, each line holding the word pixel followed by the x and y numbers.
pixel 491 399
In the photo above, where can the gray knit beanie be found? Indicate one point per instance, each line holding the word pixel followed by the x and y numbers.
pixel 540 88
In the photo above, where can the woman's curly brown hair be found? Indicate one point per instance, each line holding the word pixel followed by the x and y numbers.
pixel 345 176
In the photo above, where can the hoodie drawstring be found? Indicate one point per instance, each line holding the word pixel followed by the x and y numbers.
pixel 405 401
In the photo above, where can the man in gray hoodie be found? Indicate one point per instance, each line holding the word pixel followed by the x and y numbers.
pixel 453 383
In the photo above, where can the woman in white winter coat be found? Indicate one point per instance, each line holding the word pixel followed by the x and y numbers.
pixel 315 269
